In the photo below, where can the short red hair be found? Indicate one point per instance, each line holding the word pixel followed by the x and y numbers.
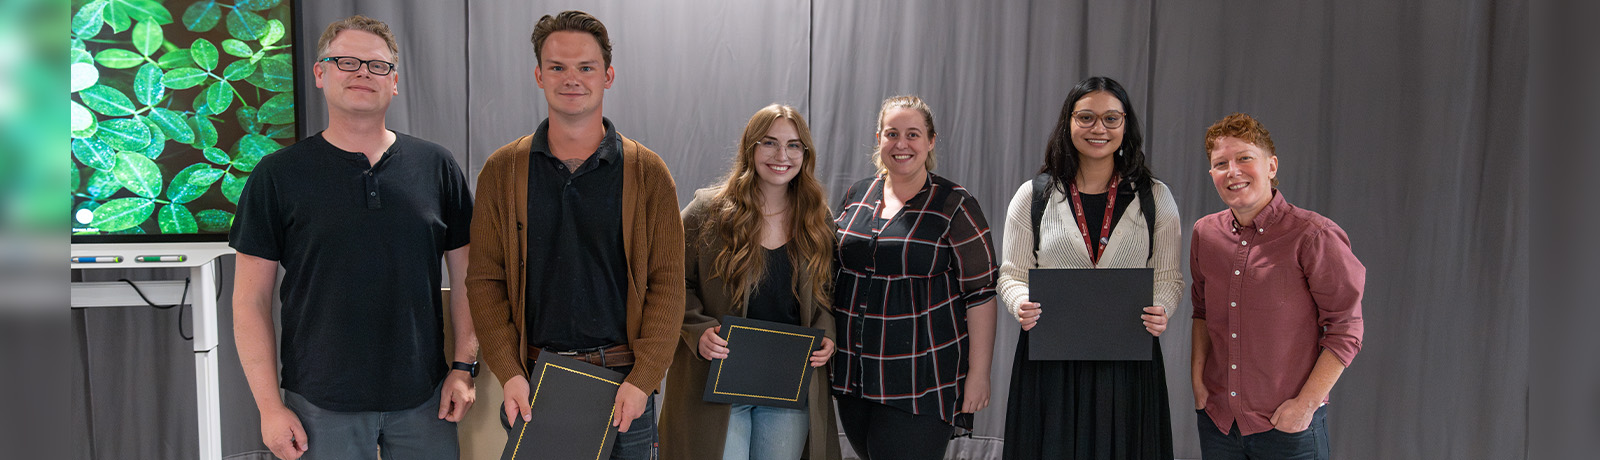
pixel 1242 127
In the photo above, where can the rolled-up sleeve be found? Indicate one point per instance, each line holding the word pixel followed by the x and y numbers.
pixel 1336 280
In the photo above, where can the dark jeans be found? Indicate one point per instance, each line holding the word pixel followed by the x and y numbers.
pixel 411 433
pixel 879 432
pixel 1311 444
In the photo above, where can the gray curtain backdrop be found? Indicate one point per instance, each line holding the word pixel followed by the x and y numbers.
pixel 1406 122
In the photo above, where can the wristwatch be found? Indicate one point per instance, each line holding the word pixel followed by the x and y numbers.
pixel 471 368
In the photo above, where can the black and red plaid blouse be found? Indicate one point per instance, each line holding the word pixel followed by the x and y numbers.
pixel 902 292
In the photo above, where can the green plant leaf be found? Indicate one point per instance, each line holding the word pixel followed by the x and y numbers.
pixel 183 78
pixel 218 97
pixel 192 182
pixel 176 218
pixel 273 34
pixel 82 119
pixel 116 16
pixel 146 11
pixel 214 220
pixel 236 48
pixel 81 56
pixel 118 58
pixel 125 134
pixel 139 174
pixel 122 214
pixel 247 119
pixel 250 149
pixel 107 100
pixel 275 74
pixel 205 134
pixel 256 5
pixel 203 53
pixel 216 155
pixel 245 25
pixel 94 153
pixel 88 21
pixel 202 16
pixel 281 132
pixel 173 124
pixel 158 139
pixel 175 59
pixel 147 37
pixel 147 86
pixel 103 184
pixel 77 177
pixel 84 76
pixel 238 70
pixel 232 187
pixel 278 110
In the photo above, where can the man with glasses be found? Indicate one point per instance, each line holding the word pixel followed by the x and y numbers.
pixel 358 216
pixel 579 244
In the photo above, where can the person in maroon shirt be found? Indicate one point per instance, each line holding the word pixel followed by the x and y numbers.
pixel 1277 307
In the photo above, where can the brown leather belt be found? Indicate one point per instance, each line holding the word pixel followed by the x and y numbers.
pixel 615 356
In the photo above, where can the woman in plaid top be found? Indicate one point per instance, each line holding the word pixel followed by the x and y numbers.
pixel 915 263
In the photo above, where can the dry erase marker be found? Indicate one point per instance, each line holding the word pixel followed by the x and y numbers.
pixel 97 259
pixel 159 259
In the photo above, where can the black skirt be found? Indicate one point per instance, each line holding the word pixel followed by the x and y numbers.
pixel 1088 409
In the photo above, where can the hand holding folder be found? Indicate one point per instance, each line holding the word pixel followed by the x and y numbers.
pixel 765 363
pixel 571 407
pixel 1094 314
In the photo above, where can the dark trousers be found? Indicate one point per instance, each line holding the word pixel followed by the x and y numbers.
pixel 879 432
pixel 1311 444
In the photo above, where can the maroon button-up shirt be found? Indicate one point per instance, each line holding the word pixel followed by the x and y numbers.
pixel 1274 295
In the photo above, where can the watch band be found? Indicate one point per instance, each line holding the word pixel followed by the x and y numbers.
pixel 471 368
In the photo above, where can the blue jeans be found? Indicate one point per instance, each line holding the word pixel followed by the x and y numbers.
pixel 765 433
pixel 1311 444
pixel 411 433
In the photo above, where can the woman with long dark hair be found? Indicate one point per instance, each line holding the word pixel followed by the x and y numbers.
pixel 1100 203
pixel 759 245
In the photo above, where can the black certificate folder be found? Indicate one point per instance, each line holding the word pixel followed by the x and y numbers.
pixel 768 364
pixel 572 404
pixel 1093 314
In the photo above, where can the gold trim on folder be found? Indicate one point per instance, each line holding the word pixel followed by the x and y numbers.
pixel 812 342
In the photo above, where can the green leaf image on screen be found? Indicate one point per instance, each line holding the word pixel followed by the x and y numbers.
pixel 174 103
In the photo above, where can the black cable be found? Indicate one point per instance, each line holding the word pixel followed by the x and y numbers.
pixel 182 302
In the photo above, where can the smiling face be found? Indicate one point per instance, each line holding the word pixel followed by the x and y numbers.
pixel 779 154
pixel 573 74
pixel 1243 174
pixel 904 142
pixel 358 92
pixel 1096 142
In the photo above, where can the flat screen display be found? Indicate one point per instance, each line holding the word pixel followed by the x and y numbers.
pixel 174 102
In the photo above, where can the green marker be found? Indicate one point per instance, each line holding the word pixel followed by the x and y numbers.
pixel 160 258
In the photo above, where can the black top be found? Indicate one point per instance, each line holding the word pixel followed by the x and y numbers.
pixel 577 270
pixel 1094 208
pixel 360 246
pixel 773 299
pixel 901 293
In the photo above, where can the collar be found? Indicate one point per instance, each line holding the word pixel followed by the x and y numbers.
pixel 610 147
pixel 1276 208
pixel 359 157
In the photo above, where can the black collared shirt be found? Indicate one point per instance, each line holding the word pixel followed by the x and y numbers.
pixel 577 270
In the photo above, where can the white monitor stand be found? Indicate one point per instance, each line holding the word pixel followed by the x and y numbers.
pixel 201 260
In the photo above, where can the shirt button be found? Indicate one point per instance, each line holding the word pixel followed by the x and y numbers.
pixel 1233 304
pixel 1234 366
pixel 1244 243
pixel 372 193
pixel 1261 230
pixel 1235 336
pixel 1233 393
pixel 1235 272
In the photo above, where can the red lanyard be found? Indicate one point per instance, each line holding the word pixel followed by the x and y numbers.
pixel 1105 227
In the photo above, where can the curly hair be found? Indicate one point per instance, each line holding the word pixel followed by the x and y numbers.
pixel 736 215
pixel 1242 127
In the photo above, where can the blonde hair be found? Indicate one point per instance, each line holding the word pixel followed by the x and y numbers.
pixel 361 23
pixel 736 215
pixel 904 102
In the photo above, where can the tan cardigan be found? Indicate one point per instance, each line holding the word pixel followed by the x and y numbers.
pixel 652 240
pixel 692 429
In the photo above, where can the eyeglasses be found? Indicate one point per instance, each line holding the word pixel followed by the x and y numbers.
pixel 769 146
pixel 1111 119
pixel 352 64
